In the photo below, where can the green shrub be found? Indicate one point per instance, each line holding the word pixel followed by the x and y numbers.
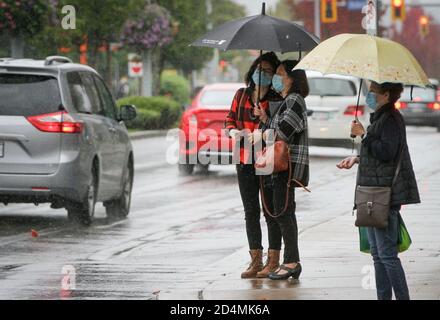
pixel 176 86
pixel 153 112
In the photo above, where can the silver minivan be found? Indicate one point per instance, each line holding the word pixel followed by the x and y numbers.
pixel 62 139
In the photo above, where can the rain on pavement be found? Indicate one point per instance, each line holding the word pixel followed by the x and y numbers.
pixel 178 230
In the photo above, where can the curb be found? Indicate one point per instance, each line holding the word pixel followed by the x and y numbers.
pixel 147 134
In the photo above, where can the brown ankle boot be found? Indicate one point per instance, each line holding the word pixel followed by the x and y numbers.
pixel 272 263
pixel 255 265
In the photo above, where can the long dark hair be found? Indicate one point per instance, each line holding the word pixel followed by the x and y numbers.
pixel 300 83
pixel 269 57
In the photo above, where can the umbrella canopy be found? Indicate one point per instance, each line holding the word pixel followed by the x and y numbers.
pixel 260 32
pixel 367 57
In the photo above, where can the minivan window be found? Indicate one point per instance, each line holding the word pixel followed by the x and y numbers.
pixel 81 101
pixel 28 95
pixel 92 93
pixel 331 87
pixel 106 98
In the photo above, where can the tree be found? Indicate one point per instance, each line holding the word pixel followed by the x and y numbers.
pixel 225 10
pixel 150 30
pixel 20 20
pixel 191 19
pixel 283 10
pixel 100 30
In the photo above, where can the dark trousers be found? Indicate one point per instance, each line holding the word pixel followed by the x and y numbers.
pixel 275 196
pixel 249 185
pixel 388 268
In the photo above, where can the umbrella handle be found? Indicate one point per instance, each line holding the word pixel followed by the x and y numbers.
pixel 357 106
pixel 251 113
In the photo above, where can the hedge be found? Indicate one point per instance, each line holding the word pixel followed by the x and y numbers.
pixel 175 86
pixel 153 112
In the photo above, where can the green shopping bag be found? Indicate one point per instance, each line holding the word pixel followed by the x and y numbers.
pixel 404 240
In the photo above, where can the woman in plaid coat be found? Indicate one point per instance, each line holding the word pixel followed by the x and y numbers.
pixel 289 123
pixel 241 122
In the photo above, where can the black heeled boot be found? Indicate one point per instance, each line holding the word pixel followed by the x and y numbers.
pixel 291 272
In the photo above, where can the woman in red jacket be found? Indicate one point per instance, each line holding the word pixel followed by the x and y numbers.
pixel 241 121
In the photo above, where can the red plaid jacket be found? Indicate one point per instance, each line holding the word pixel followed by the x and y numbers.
pixel 242 120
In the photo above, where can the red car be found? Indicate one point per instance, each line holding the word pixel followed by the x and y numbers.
pixel 202 140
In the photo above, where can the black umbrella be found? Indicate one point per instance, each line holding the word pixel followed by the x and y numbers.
pixel 260 32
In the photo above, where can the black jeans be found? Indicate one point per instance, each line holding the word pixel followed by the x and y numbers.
pixel 275 196
pixel 249 185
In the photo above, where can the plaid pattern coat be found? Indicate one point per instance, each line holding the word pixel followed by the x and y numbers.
pixel 290 125
pixel 240 118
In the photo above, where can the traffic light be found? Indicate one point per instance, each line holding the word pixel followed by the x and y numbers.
pixel 223 65
pixel 424 26
pixel 398 11
pixel 329 11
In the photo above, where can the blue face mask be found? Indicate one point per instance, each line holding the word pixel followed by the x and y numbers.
pixel 266 80
pixel 277 83
pixel 371 100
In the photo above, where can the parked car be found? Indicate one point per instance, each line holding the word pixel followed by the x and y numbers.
pixel 207 113
pixel 424 108
pixel 62 139
pixel 332 102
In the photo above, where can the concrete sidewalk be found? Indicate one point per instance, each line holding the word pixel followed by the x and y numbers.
pixel 333 266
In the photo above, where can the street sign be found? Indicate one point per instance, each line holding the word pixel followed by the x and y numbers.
pixel 355 5
pixel 135 66
pixel 369 22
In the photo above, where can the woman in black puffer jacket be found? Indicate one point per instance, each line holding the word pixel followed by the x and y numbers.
pixel 382 145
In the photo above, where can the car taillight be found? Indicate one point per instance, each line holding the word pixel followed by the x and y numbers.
pixel 351 111
pixel 434 105
pixel 401 105
pixel 58 122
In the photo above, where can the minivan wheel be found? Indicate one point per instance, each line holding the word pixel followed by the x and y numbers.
pixel 120 207
pixel 84 212
pixel 186 169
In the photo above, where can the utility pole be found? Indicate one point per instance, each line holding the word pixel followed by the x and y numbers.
pixel 378 9
pixel 213 64
pixel 317 18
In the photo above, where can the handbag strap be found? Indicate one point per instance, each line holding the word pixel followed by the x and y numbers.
pixel 289 181
pixel 401 151
pixel 286 201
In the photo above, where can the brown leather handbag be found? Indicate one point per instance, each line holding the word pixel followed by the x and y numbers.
pixel 275 156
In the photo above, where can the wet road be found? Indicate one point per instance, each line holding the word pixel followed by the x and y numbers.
pixel 178 231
